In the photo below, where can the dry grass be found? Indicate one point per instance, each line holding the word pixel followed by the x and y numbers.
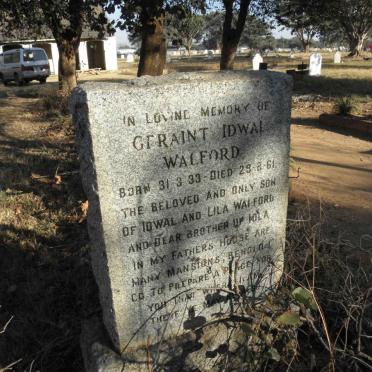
pixel 338 276
pixel 54 102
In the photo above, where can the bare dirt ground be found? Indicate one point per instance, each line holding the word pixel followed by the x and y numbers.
pixel 335 174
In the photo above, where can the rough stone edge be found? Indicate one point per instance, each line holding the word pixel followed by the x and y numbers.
pixel 286 86
pixel 97 355
pixel 185 77
pixel 80 115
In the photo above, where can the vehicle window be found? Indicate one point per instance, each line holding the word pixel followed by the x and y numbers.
pixel 15 57
pixel 11 57
pixel 34 55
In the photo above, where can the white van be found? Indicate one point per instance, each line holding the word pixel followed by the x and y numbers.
pixel 24 65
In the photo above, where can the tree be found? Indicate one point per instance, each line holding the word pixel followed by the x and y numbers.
pixel 333 38
pixel 185 30
pixel 302 17
pixel 147 17
pixel 292 43
pixel 232 31
pixel 236 12
pixel 65 19
pixel 212 33
pixel 353 18
pixel 257 34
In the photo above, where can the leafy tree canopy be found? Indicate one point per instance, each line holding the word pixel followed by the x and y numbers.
pixel 186 30
pixel 352 18
pixel 256 33
pixel 303 17
pixel 134 13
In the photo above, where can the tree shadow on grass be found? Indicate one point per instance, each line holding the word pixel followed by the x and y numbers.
pixel 347 65
pixel 332 87
pixel 46 278
pixel 44 291
pixel 369 152
pixel 352 225
pixel 312 161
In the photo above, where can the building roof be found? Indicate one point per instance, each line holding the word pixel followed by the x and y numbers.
pixel 23 36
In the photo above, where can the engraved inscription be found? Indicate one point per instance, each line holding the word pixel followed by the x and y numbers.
pixel 188 183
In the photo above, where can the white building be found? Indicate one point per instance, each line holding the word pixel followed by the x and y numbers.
pixel 93 52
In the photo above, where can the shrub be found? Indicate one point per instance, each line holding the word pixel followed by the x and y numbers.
pixel 344 106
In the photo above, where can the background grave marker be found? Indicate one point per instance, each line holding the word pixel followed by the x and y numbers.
pixel 315 68
pixel 337 57
pixel 257 59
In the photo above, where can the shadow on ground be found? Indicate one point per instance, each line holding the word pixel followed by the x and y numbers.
pixel 311 122
pixel 332 87
pixel 43 292
pixel 338 224
pixel 45 273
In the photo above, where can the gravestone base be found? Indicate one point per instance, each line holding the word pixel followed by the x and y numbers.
pixel 202 349
pixel 95 346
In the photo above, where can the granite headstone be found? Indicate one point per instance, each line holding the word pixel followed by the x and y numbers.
pixel 187 181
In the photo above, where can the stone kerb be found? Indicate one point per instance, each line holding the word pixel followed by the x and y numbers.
pixel 187 181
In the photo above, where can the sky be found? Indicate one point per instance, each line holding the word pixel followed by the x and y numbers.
pixel 278 32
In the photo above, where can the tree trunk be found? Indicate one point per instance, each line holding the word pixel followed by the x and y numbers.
pixel 356 45
pixel 67 65
pixel 189 47
pixel 153 47
pixel 305 42
pixel 228 52
pixel 230 35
